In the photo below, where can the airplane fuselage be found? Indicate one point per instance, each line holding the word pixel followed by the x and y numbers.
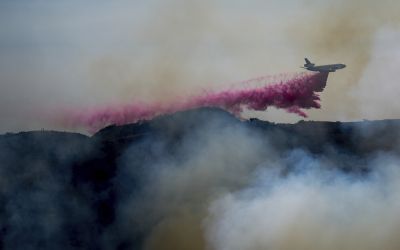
pixel 326 68
pixel 323 68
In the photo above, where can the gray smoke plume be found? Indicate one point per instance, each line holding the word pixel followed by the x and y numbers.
pixel 202 179
pixel 316 207
pixel 57 55
pixel 228 187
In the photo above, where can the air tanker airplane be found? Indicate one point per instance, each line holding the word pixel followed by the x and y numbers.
pixel 322 68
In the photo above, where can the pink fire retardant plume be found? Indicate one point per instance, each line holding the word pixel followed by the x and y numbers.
pixel 290 92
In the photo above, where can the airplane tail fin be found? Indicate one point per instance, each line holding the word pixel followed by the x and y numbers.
pixel 308 63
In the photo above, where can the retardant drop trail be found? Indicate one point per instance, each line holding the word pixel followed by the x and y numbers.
pixel 290 92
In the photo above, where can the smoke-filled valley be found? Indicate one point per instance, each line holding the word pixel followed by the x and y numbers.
pixel 203 179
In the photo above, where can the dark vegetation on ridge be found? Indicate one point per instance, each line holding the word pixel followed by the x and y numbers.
pixel 63 190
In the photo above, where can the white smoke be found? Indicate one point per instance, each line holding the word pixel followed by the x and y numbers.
pixel 204 180
pixel 313 208
pixel 227 187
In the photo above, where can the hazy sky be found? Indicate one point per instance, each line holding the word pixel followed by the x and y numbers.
pixel 57 55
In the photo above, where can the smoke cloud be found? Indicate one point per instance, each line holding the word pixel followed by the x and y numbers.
pixel 296 93
pixel 314 207
pixel 202 179
pixel 75 55
pixel 233 188
pixel 214 182
pixel 385 54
